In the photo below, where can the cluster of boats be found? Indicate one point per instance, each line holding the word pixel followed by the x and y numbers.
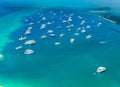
pixel 62 19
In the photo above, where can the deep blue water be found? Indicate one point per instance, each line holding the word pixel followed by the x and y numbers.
pixel 4 10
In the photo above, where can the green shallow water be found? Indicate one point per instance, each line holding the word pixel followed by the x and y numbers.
pixel 64 70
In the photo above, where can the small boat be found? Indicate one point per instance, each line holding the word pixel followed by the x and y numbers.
pixel 80 17
pixel 43 26
pixel 68 26
pixel 28 51
pixel 103 42
pixel 31 23
pixel 28 32
pixel 29 28
pixel 30 42
pixel 83 31
pixel 101 69
pixel 88 36
pixel 44 18
pixel 57 43
pixel 18 47
pixel 50 31
pixel 100 23
pixel 72 40
pixel 76 34
pixel 22 38
pixel 43 37
pixel 64 21
pixel 78 28
pixel 49 23
pixel 52 35
pixel 69 19
pixel 88 26
pixel 62 35
pixel 26 20
pixel 82 23
pixel 68 29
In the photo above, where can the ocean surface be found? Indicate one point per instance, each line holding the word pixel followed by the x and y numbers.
pixel 88 42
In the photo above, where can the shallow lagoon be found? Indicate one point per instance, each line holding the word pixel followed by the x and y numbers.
pixel 66 65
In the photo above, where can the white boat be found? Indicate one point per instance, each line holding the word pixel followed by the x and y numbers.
pixel 28 32
pixel 18 47
pixel 50 31
pixel 72 40
pixel 30 42
pixel 69 19
pixel 78 28
pixel 22 38
pixel 76 34
pixel 103 42
pixel 43 26
pixel 31 23
pixel 82 23
pixel 49 23
pixel 100 23
pixel 80 17
pixel 64 21
pixel 68 29
pixel 71 14
pixel 26 20
pixel 68 26
pixel 88 36
pixel 28 51
pixel 101 69
pixel 88 26
pixel 62 35
pixel 29 28
pixel 57 43
pixel 44 18
pixel 83 31
pixel 43 37
pixel 52 35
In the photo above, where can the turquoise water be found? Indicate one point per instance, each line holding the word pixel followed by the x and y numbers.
pixel 65 65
